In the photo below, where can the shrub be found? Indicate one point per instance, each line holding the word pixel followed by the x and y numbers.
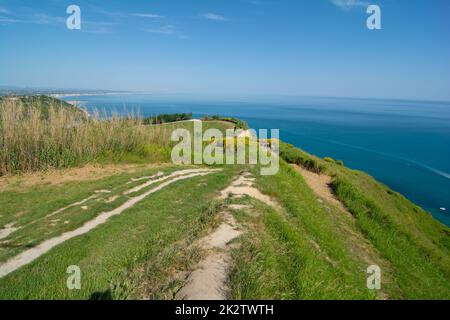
pixel 239 124
pixel 328 159
pixel 166 118
pixel 314 166
pixel 293 155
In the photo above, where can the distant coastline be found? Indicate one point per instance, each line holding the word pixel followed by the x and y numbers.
pixel 82 94
pixel 55 92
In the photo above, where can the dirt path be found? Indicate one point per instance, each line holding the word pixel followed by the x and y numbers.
pixel 78 203
pixel 158 177
pixel 244 186
pixel 209 279
pixel 61 176
pixel 172 175
pixel 7 230
pixel 34 253
pixel 98 193
pixel 359 246
pixel 321 185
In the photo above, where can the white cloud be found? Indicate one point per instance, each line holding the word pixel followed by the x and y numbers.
pixel 9 20
pixel 166 29
pixel 37 18
pixel 213 16
pixel 98 26
pixel 42 18
pixel 349 4
pixel 148 15
pixel 4 11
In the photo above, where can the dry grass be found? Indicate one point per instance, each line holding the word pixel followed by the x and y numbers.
pixel 30 141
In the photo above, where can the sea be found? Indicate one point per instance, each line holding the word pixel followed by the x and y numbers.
pixel 404 144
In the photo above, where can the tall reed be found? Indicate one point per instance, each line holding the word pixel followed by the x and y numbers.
pixel 30 140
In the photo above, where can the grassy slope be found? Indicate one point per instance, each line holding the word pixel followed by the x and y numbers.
pixel 300 254
pixel 28 207
pixel 304 252
pixel 42 103
pixel 415 244
pixel 126 242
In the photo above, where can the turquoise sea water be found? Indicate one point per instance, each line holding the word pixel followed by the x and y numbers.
pixel 404 144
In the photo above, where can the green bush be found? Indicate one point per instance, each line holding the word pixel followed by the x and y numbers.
pixel 239 124
pixel 293 155
pixel 167 118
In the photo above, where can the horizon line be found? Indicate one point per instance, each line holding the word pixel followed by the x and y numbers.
pixel 216 94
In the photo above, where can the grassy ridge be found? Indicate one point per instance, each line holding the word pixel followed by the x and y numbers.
pixel 421 264
pixel 415 244
pixel 298 254
pixel 42 103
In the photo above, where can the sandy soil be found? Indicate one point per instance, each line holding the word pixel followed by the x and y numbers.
pixel 7 230
pixel 78 203
pixel 35 252
pixel 244 186
pixel 56 177
pixel 151 180
pixel 209 279
pixel 207 282
pixel 320 184
pixel 172 175
pixel 159 174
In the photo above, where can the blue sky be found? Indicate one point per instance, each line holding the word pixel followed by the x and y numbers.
pixel 230 47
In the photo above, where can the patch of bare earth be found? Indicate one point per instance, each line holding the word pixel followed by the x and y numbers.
pixel 6 230
pixel 242 186
pixel 150 180
pixel 60 176
pixel 321 185
pixel 209 280
pixel 359 245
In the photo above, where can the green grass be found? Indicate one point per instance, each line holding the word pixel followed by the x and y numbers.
pixel 421 264
pixel 28 208
pixel 107 254
pixel 415 244
pixel 298 253
pixel 306 250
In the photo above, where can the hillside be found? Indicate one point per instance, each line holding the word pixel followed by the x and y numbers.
pixel 139 227
pixel 42 103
